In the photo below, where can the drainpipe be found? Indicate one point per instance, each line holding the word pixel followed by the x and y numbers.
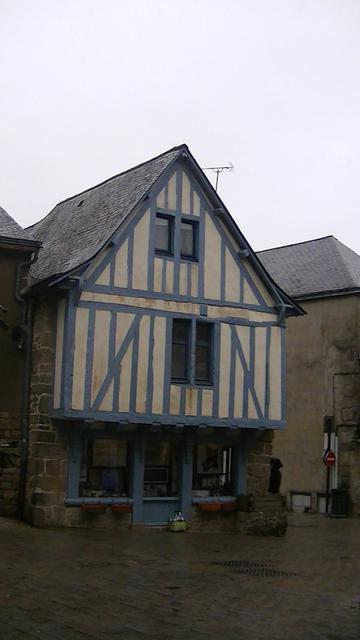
pixel 27 327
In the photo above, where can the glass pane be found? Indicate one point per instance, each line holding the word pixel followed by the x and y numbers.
pixel 187 239
pixel 163 238
pixel 104 469
pixel 212 470
pixel 179 362
pixel 202 370
pixel 180 330
pixel 161 476
pixel 203 333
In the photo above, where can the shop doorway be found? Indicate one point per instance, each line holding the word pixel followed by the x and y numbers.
pixel 161 481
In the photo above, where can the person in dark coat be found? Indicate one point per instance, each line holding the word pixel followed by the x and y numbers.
pixel 275 475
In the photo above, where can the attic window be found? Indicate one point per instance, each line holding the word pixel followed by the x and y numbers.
pixel 81 203
pixel 189 239
pixel 164 238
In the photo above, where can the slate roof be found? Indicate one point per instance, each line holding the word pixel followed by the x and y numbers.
pixel 11 229
pixel 78 227
pixel 319 267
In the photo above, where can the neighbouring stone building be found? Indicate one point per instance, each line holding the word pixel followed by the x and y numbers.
pixel 158 358
pixel 323 369
pixel 17 249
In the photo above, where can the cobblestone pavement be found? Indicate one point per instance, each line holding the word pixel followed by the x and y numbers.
pixel 153 584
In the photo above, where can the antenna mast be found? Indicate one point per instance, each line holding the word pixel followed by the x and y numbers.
pixel 218 170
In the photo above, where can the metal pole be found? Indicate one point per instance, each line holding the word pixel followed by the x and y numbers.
pixel 328 476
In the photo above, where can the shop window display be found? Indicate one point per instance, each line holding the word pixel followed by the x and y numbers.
pixel 104 468
pixel 161 475
pixel 212 470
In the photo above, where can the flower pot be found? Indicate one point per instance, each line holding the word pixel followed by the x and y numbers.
pixel 209 506
pixel 93 508
pixel 178 525
pixel 228 506
pixel 121 508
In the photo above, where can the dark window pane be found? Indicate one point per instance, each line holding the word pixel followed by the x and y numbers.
pixel 179 361
pixel 202 371
pixel 180 330
pixel 203 332
pixel 180 349
pixel 163 234
pixel 203 352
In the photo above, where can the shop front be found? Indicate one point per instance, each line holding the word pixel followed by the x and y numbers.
pixel 154 472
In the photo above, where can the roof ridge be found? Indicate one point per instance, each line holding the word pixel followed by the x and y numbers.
pixel 99 184
pixel 296 244
pixel 122 173
pixel 343 261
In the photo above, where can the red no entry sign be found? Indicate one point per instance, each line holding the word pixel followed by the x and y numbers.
pixel 329 458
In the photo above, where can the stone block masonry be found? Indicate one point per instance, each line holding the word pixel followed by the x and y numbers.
pixel 259 452
pixel 47 446
pixel 9 477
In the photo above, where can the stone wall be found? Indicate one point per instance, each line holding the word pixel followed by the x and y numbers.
pixel 347 424
pixel 259 452
pixel 77 517
pixel 263 516
pixel 9 478
pixel 322 350
pixel 47 447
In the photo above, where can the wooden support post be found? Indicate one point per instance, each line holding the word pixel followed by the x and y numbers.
pixel 74 464
pixel 137 477
pixel 186 476
pixel 238 460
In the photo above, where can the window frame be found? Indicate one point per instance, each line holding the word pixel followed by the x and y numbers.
pixel 194 256
pixel 191 379
pixel 171 225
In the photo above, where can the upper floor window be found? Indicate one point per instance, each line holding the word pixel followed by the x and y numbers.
pixel 189 239
pixel 164 236
pixel 196 352
pixel 203 352
pixel 180 350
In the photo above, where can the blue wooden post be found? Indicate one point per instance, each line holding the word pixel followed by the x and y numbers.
pixel 137 477
pixel 186 476
pixel 238 463
pixel 74 464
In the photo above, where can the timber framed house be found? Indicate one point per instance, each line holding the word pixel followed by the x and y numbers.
pixel 158 359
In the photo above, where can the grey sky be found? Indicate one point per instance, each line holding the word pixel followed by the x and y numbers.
pixel 90 88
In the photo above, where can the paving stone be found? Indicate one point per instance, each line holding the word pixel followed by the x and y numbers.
pixel 144 584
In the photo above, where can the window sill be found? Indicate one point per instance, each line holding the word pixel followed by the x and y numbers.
pixel 196 385
pixel 79 502
pixel 189 259
pixel 162 499
pixel 164 254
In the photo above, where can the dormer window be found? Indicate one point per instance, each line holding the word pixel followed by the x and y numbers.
pixel 189 239
pixel 164 236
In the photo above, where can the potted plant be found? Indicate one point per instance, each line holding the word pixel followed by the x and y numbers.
pixel 177 522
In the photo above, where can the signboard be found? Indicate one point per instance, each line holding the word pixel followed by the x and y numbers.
pixel 329 458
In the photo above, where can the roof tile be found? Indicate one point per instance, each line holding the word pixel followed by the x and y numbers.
pixel 317 267
pixel 77 228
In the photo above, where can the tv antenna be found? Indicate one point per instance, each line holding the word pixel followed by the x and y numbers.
pixel 218 170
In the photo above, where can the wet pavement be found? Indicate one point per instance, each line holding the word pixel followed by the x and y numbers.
pixel 153 584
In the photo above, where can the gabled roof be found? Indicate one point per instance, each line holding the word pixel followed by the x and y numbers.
pixel 78 227
pixel 12 233
pixel 317 268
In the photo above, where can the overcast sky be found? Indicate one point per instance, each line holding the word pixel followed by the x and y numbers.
pixel 89 88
